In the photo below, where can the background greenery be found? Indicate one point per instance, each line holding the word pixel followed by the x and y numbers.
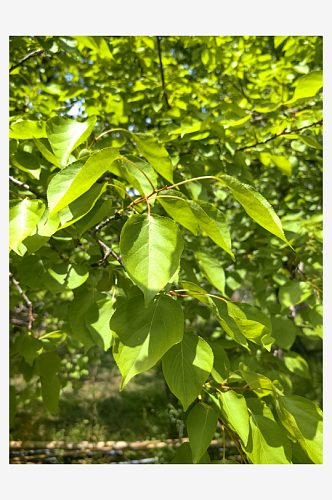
pixel 218 104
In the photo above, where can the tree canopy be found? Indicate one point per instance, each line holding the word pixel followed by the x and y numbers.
pixel 166 207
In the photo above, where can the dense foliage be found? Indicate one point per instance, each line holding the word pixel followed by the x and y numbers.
pixel 159 186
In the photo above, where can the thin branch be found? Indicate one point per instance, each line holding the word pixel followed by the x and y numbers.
pixel 29 303
pixel 106 221
pixel 284 132
pixel 105 250
pixel 241 91
pixel 162 73
pixel 25 186
pixel 32 54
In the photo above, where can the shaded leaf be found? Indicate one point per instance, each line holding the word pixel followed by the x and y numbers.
pixel 201 425
pixel 65 276
pixel 48 364
pixel 144 335
pixel 303 420
pixel 268 443
pixel 50 388
pixel 296 364
pixel 186 366
pixel 294 292
pixel 284 331
pixel 97 319
pixel 77 310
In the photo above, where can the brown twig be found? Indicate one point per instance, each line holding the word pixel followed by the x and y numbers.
pixel 162 73
pixel 107 221
pixel 32 54
pixel 29 303
pixel 105 250
pixel 25 186
pixel 284 132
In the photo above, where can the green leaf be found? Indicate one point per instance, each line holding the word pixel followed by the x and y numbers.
pixel 48 364
pixel 252 323
pixel 151 248
pixel 29 347
pixel 284 331
pixel 283 163
pixel 97 44
pixel 310 141
pixel 50 388
pixel 186 366
pixel 266 107
pixel 97 320
pixel 28 163
pixel 201 425
pixel 268 443
pixel 77 309
pixel 221 364
pixel 296 364
pixel 23 218
pixel 82 206
pixel 220 311
pixel 45 148
pixel 31 270
pixel 184 456
pixel 307 86
pixel 65 276
pixel 13 405
pixel 213 222
pixel 278 40
pixel 178 209
pixel 144 335
pixel 304 421
pixel 155 153
pixel 212 270
pixel 44 229
pixel 134 176
pixel 100 211
pixel 235 407
pixel 27 129
pixel 256 206
pixel 299 456
pixel 224 461
pixel 257 382
pixel 73 181
pixel 294 292
pixel 65 135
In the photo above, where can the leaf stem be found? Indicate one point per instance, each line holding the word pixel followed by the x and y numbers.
pixel 125 159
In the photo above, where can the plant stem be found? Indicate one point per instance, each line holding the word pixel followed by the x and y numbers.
pixel 162 73
pixel 125 159
pixel 29 303
pixel 280 135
